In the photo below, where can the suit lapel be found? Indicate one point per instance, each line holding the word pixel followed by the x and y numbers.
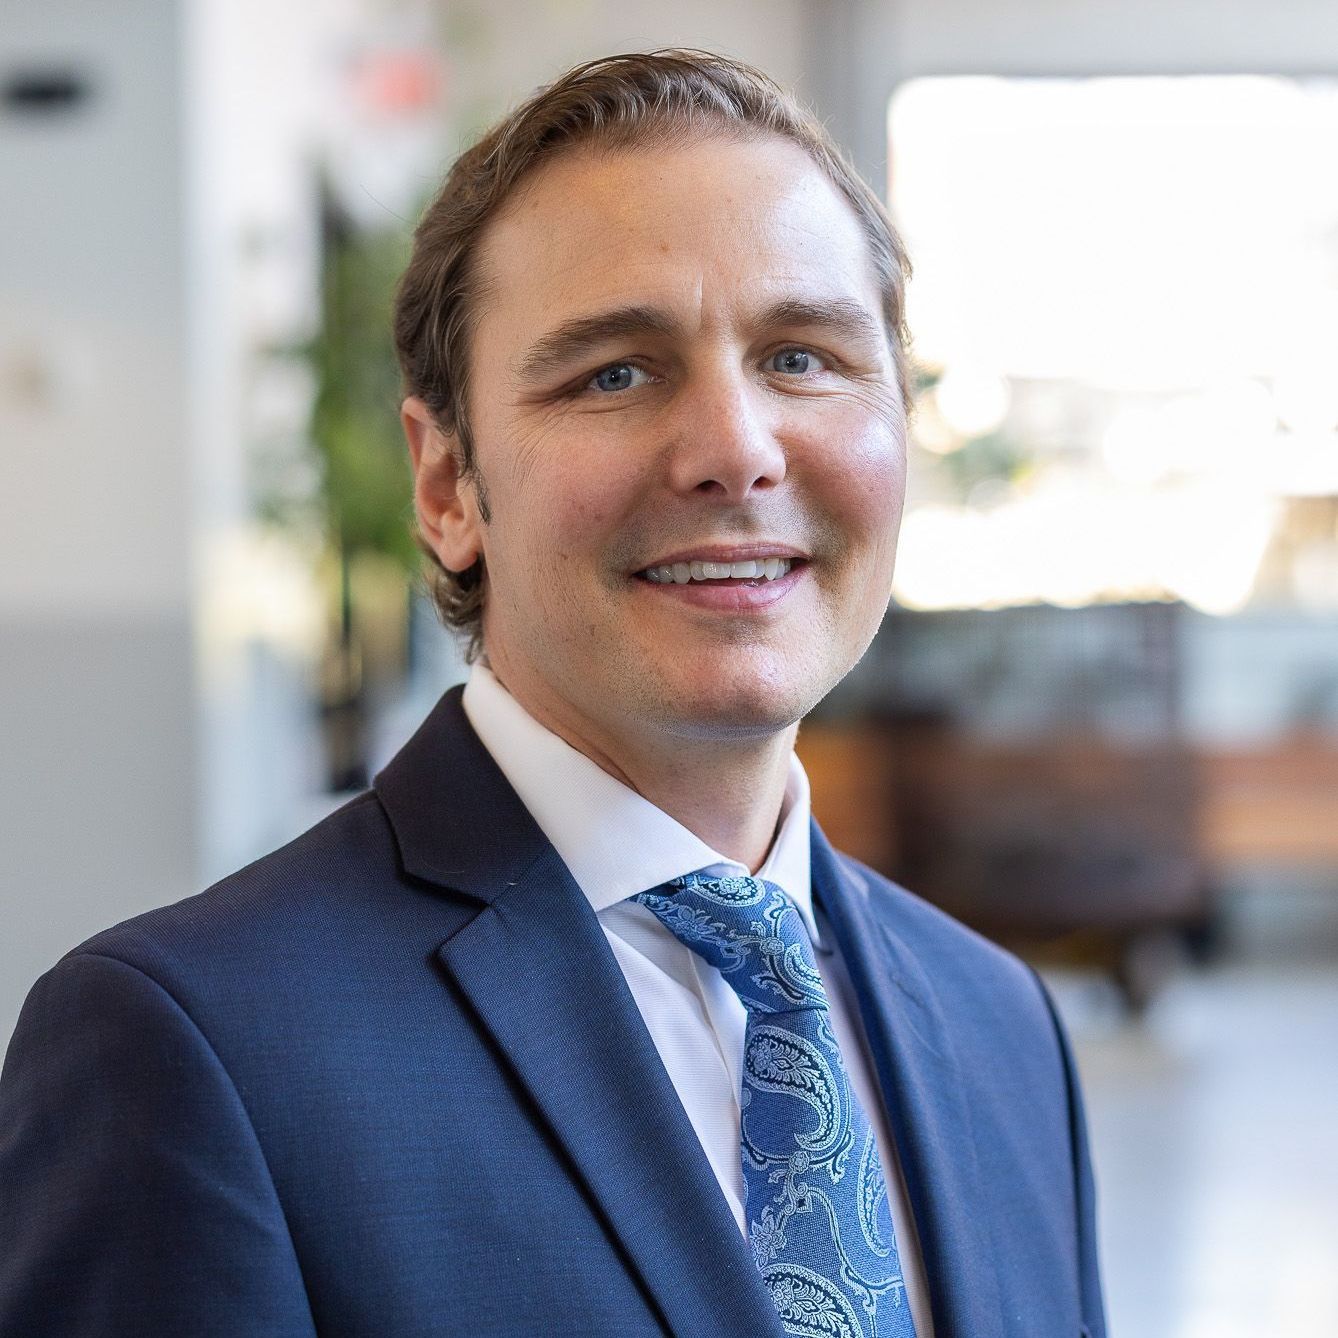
pixel 923 1087
pixel 540 975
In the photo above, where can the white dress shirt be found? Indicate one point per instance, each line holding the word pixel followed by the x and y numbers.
pixel 616 844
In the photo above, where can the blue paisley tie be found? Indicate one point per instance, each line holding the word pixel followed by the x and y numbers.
pixel 818 1218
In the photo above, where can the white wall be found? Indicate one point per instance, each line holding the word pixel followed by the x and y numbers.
pixel 257 94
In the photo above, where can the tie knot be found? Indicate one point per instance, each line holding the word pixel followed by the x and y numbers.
pixel 750 931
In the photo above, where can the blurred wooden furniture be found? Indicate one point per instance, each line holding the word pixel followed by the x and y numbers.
pixel 1073 847
pixel 1034 842
pixel 850 768
pixel 1271 805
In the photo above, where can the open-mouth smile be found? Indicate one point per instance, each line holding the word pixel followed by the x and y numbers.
pixel 754 571
pixel 743 579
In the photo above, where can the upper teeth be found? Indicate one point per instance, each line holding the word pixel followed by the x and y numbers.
pixel 680 573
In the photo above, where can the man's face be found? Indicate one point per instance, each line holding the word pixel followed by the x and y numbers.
pixel 680 359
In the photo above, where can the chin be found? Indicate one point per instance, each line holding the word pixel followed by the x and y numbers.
pixel 739 706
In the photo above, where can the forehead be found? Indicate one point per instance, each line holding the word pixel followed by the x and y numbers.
pixel 717 224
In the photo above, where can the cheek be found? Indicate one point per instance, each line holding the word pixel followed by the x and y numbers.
pixel 577 520
pixel 868 492
pixel 864 486
pixel 562 504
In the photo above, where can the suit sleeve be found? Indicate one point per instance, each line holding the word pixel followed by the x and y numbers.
pixel 1089 1272
pixel 134 1196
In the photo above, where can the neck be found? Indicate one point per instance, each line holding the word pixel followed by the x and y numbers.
pixel 726 791
pixel 729 796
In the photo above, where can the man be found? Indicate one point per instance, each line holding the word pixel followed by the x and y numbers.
pixel 574 1024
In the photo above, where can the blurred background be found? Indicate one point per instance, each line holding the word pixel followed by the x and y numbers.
pixel 1101 721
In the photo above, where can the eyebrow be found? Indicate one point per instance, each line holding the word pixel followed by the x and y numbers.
pixel 841 315
pixel 574 338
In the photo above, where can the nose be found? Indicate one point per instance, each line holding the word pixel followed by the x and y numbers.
pixel 724 442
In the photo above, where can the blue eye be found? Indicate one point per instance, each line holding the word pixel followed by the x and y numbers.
pixel 795 361
pixel 617 376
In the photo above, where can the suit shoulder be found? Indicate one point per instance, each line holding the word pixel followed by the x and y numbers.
pixel 330 875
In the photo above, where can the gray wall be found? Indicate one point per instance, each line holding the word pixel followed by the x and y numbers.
pixel 96 754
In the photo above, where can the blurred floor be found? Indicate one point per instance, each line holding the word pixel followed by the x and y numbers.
pixel 1215 1133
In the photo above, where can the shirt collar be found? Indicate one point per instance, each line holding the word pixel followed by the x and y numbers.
pixel 614 842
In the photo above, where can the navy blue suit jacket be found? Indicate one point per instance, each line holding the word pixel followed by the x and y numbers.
pixel 390 1081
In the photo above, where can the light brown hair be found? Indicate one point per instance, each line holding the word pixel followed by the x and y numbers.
pixel 615 102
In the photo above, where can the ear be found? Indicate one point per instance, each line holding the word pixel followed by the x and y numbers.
pixel 446 507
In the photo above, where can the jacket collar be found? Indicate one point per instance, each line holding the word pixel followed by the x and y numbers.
pixel 924 1090
pixel 538 974
pixel 448 803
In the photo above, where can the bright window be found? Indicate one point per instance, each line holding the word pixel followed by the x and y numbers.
pixel 1125 307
